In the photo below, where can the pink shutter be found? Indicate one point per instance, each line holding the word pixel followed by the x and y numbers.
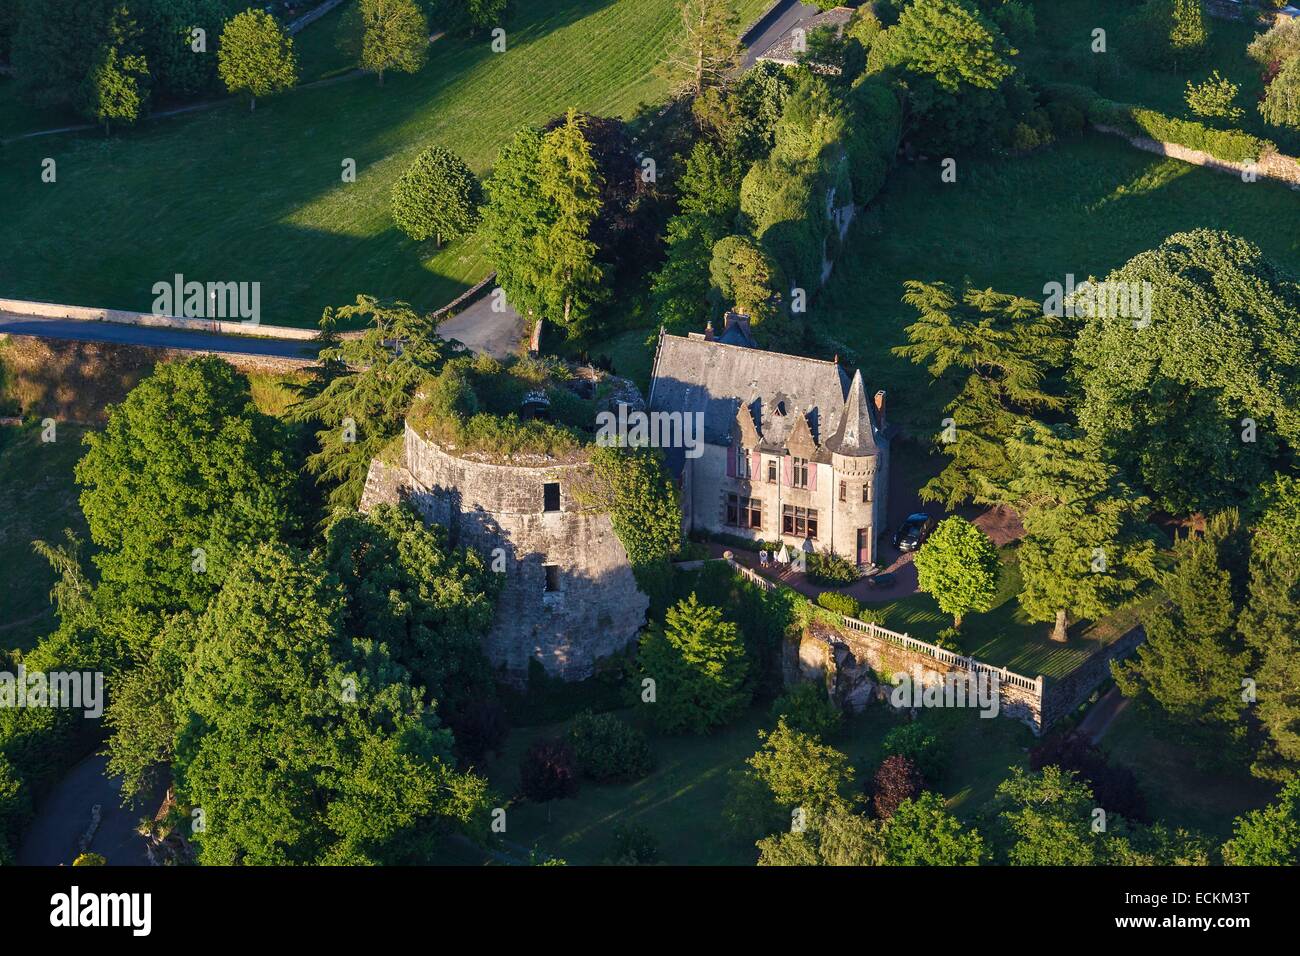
pixel 731 461
pixel 787 470
pixel 755 466
pixel 812 475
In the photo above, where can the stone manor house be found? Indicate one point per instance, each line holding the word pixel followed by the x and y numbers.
pixel 793 449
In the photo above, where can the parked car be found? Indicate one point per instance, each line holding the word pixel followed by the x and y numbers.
pixel 884 579
pixel 913 532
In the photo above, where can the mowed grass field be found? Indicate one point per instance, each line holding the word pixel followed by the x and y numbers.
pixel 229 195
pixel 1083 206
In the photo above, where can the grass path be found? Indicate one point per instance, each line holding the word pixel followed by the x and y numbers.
pixel 226 195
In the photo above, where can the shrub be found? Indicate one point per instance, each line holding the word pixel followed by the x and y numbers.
pixel 548 771
pixel 922 746
pixel 844 604
pixel 1229 145
pixel 480 728
pixel 607 748
pixel 1115 788
pixel 634 845
pixel 948 638
pixel 1067 120
pixel 873 615
pixel 831 569
pixel 1214 98
pixel 896 780
pixel 807 708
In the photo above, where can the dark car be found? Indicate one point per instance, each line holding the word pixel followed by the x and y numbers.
pixel 884 579
pixel 913 532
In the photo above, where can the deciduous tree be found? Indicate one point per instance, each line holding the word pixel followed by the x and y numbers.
pixel 256 56
pixel 1192 399
pixel 394 36
pixel 436 196
pixel 958 566
pixel 186 475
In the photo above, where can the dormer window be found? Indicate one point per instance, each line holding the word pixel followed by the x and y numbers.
pixel 780 408
pixel 742 462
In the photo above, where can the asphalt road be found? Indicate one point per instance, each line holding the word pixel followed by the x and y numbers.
pixel 153 337
pixel 64 816
pixel 480 329
pixel 794 12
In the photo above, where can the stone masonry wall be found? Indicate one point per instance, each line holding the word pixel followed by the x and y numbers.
pixel 595 611
pixel 1068 693
pixel 852 665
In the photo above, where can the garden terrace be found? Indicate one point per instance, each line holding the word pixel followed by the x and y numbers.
pixel 523 411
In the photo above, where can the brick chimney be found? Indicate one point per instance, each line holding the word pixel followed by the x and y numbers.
pixel 708 332
pixel 880 408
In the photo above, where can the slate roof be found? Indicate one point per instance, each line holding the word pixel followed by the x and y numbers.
pixel 697 375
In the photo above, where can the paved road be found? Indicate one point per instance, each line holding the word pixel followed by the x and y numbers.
pixel 64 817
pixel 153 337
pixel 793 12
pixel 480 329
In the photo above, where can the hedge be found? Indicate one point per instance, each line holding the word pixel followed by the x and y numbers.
pixel 1231 146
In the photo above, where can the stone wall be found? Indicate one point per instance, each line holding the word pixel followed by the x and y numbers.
pixel 1064 696
pixel 856 668
pixel 594 608
pixel 1272 165
pixel 54 310
pixel 853 665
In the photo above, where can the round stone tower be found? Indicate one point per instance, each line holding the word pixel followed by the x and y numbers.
pixel 569 597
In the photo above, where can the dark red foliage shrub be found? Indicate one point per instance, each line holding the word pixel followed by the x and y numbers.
pixel 548 771
pixel 896 780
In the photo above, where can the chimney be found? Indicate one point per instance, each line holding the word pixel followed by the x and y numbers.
pixel 880 408
pixel 708 332
pixel 535 341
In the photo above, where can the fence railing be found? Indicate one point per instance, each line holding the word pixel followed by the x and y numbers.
pixel 907 642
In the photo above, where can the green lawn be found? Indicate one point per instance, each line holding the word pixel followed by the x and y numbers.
pixel 681 801
pixel 1084 206
pixel 38 499
pixel 1063 52
pixel 228 195
pixel 1004 636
